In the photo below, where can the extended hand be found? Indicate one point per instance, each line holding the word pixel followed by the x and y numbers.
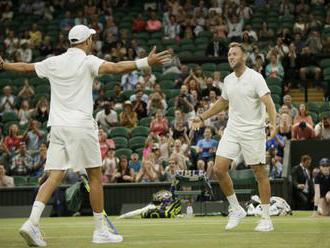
pixel 158 58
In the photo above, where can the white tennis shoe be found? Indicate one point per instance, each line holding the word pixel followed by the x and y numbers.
pixel 264 225
pixel 32 234
pixel 105 236
pixel 235 217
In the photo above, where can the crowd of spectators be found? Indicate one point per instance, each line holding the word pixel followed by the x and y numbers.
pixel 171 144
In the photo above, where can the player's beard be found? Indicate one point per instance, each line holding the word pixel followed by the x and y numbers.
pixel 236 65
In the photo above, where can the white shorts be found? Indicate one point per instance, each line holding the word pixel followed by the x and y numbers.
pixel 73 147
pixel 233 143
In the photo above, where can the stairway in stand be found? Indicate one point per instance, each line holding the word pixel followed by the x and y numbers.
pixel 314 95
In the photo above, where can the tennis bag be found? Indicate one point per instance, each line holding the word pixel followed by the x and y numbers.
pixel 165 206
pixel 73 197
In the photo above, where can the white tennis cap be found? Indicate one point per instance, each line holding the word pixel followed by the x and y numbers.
pixel 80 33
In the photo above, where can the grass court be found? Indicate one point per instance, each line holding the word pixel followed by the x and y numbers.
pixel 297 231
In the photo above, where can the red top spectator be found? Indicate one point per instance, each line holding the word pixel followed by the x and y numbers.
pixel 12 141
pixel 159 125
pixel 302 132
pixel 139 24
pixel 153 24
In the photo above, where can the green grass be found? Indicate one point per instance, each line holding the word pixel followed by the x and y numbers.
pixel 297 231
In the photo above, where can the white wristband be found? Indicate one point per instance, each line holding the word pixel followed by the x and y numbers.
pixel 142 63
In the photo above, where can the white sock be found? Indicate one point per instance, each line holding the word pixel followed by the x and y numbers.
pixel 37 209
pixel 98 218
pixel 265 211
pixel 233 201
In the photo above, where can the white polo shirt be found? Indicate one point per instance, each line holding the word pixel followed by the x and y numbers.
pixel 246 111
pixel 71 76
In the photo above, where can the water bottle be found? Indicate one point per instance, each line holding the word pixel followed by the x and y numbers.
pixel 189 211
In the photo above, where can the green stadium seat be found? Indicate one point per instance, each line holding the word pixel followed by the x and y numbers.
pixel 140 152
pixel 276 98
pixel 313 107
pixel 209 67
pixel 170 111
pixel 124 151
pixel 325 63
pixel 169 76
pixel 185 55
pixel 167 84
pixel 145 121
pixel 187 47
pixel 244 182
pixel 273 81
pixel 315 117
pixel 9 116
pixel 120 142
pixel 275 89
pixel 119 132
pixel 324 107
pixel 201 40
pixel 223 67
pixel 140 131
pixel 136 142
pixel 207 34
pixel 199 54
pixel 186 42
pixel 20 180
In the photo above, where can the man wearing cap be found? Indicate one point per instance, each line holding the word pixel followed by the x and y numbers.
pixel 74 135
pixel 322 189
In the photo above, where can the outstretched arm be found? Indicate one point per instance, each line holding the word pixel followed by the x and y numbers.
pixel 219 106
pixel 18 67
pixel 128 66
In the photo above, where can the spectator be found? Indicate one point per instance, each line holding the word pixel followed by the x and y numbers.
pixel 217 80
pixel 105 144
pixel 11 43
pixel 107 117
pixel 211 86
pixel 25 53
pixel 159 125
pixel 183 102
pixel 33 137
pixel 322 188
pixel 22 162
pixel 173 65
pixel 24 113
pixel 134 164
pixel 314 42
pixel 308 65
pixel 303 116
pixel 129 80
pixel 300 25
pixel 67 22
pixel 235 27
pixel 5 181
pixel 118 97
pixel 265 33
pixel 252 34
pixel 139 106
pixel 172 29
pixel 247 42
pixel 274 69
pixel 179 130
pixel 171 170
pixel 322 129
pixel 139 87
pixel 179 154
pixel 147 79
pixel 275 164
pixel 302 132
pixel 123 174
pixel 39 161
pixel 303 189
pixel 153 24
pixel 7 15
pixel 46 47
pixel 27 92
pixel 35 35
pixel 109 166
pixel 286 8
pixel 139 23
pixel 287 101
pixel 156 102
pixel 128 118
pixel 41 112
pixel 217 47
pixel 277 143
pixel 13 140
pixel 285 126
pixel 7 101
pixel 206 149
pixel 148 144
pixel 147 172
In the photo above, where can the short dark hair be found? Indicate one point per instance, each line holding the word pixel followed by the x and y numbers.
pixel 237 44
pixel 304 158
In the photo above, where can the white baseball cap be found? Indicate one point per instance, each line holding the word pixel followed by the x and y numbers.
pixel 80 33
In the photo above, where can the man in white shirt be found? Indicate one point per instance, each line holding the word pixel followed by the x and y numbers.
pixel 107 117
pixel 322 129
pixel 74 135
pixel 246 93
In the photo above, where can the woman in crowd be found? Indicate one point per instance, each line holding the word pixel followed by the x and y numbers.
pixel 159 125
pixel 303 116
pixel 128 118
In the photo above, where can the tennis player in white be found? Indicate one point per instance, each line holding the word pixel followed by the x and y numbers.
pixel 74 135
pixel 246 94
